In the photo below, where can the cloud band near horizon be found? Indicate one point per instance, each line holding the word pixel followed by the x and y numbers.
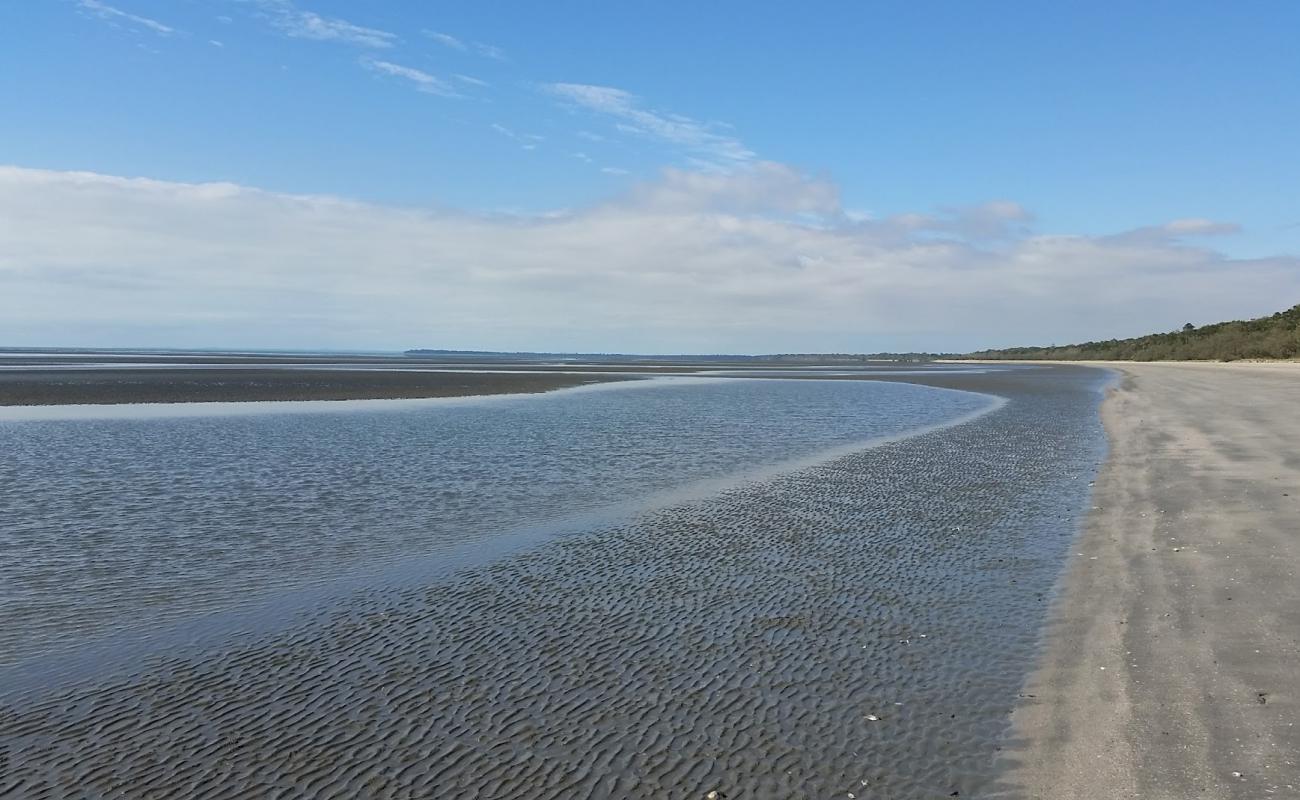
pixel 762 259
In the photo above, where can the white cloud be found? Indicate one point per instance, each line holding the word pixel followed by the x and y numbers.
pixel 761 188
pixel 996 219
pixel 446 40
pixel 750 262
pixel 490 51
pixel 1173 233
pixel 614 171
pixel 703 140
pixel 299 24
pixel 527 141
pixel 107 12
pixel 470 80
pixel 423 81
pixel 1182 228
pixel 1200 227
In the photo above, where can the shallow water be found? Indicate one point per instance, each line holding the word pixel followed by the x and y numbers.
pixel 859 625
pixel 118 524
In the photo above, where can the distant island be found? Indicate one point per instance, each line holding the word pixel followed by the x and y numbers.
pixel 1276 336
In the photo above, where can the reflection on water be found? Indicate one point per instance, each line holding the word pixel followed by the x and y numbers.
pixel 119 524
pixel 857 627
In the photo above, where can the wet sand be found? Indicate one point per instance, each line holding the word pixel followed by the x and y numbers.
pixel 19 387
pixel 858 628
pixel 1172 666
pixel 113 378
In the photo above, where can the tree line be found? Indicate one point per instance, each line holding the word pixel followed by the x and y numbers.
pixel 1276 336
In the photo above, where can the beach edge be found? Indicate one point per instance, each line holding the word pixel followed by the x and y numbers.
pixel 1164 668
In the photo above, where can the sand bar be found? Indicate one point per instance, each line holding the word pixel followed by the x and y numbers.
pixel 180 385
pixel 1172 663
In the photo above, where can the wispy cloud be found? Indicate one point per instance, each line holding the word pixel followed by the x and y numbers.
pixel 117 15
pixel 1179 229
pixel 763 188
pixel 614 171
pixel 446 40
pixel 490 51
pixel 424 82
pixel 300 24
pixel 455 43
pixel 470 80
pixel 1199 227
pixel 703 140
pixel 527 141
pixel 987 222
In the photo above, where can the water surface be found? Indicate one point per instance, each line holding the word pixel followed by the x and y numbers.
pixel 856 623
pixel 123 518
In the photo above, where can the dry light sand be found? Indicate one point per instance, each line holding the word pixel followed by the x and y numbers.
pixel 1172 666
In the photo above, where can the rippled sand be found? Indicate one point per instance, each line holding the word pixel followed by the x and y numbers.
pixel 861 627
pixel 118 528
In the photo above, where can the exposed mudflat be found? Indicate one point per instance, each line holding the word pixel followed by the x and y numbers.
pixel 857 628
pixel 224 383
pixel 1172 666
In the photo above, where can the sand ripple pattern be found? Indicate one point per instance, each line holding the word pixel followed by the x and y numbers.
pixel 858 628
pixel 110 525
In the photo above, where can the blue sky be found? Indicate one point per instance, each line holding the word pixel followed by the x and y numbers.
pixel 1082 120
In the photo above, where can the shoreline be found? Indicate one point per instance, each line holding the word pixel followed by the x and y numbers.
pixel 1167 669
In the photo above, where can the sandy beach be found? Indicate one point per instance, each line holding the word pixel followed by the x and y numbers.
pixel 1170 667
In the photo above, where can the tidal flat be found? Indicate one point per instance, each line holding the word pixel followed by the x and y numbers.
pixel 856 623
pixel 21 385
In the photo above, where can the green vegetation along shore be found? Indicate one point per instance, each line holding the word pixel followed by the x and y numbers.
pixel 1273 337
pixel 1277 336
